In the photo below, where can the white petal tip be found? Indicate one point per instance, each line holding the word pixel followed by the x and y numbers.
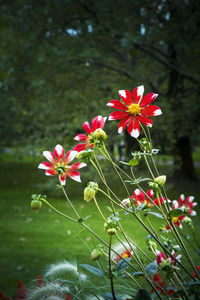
pixel 110 118
pixel 157 112
pixel 122 93
pixel 135 133
pixel 120 129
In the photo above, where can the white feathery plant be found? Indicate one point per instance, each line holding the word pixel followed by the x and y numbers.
pixel 49 290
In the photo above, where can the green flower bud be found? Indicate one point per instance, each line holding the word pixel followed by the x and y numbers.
pixel 160 180
pixel 111 231
pixel 36 205
pixel 93 185
pixel 99 134
pixel 89 193
pixel 95 254
pixel 85 155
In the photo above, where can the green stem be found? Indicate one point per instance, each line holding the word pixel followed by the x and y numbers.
pixel 60 213
pixel 72 206
pixel 99 210
pixel 110 269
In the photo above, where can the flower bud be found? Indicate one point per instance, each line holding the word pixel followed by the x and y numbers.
pixel 126 203
pixel 89 193
pixel 36 205
pixel 188 221
pixel 85 155
pixel 160 180
pixel 111 231
pixel 95 254
pixel 93 185
pixel 99 134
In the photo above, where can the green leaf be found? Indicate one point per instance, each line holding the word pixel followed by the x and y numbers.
pixel 152 268
pixel 175 213
pixel 140 207
pixel 138 274
pixel 155 214
pixel 93 270
pixel 122 265
pixel 133 162
pixel 143 295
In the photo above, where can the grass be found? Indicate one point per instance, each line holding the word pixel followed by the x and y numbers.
pixel 31 241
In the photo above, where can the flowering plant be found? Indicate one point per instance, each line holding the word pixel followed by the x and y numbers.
pixel 166 265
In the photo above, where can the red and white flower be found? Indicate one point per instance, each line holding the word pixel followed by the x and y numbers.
pixel 187 204
pixel 161 259
pixel 134 110
pixel 97 123
pixel 59 164
pixel 176 220
pixel 140 197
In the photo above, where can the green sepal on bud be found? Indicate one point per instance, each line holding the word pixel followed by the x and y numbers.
pixel 36 205
pixel 90 191
pixel 96 254
pixel 111 231
pixel 85 155
pixel 110 226
pixel 160 180
pixel 99 135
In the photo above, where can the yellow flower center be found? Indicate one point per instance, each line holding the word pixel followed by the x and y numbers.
pixel 125 255
pixel 134 109
pixel 175 219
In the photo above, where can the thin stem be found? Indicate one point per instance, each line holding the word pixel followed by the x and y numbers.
pixel 185 293
pixel 60 213
pixel 110 269
pixel 95 201
pixel 72 206
pixel 150 225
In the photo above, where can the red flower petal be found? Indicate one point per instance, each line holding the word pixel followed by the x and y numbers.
pixel 148 99
pixel 77 165
pixel 144 120
pixel 59 152
pixel 81 147
pixel 116 115
pixel 123 123
pixel 134 128
pixel 98 122
pixel 81 137
pixel 117 105
pixel 51 172
pixel 49 155
pixel 86 127
pixel 70 156
pixel 138 94
pixel 126 96
pixel 75 175
pixel 150 194
pixel 139 195
pixel 45 165
pixel 62 178
pixel 151 111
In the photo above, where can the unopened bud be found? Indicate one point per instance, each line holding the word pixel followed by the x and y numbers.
pixel 89 194
pixel 99 134
pixel 126 203
pixel 93 185
pixel 160 180
pixel 188 221
pixel 95 254
pixel 111 231
pixel 36 205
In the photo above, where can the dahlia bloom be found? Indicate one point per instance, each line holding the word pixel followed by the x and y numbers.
pixel 140 198
pixel 160 286
pixel 60 165
pixel 97 125
pixel 176 220
pixel 134 110
pixel 187 204
pixel 161 260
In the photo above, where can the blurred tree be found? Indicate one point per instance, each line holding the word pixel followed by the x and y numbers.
pixel 61 60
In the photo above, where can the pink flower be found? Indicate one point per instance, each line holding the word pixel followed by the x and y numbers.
pixel 97 123
pixel 60 165
pixel 134 110
pixel 187 204
pixel 140 198
pixel 176 220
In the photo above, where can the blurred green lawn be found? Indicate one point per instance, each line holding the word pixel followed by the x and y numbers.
pixel 30 241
